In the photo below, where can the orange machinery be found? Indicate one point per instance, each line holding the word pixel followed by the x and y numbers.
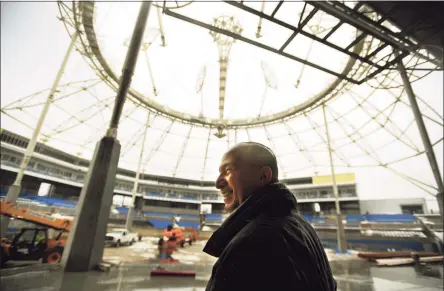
pixel 34 243
pixel 183 235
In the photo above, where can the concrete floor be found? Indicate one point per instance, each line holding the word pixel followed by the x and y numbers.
pixel 138 260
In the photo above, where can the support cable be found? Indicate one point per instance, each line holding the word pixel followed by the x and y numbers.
pixel 182 150
pixel 206 154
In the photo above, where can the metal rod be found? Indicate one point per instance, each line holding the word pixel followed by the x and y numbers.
pixel 129 216
pixel 301 31
pixel 357 6
pixel 223 72
pixel 277 8
pixel 162 32
pixel 32 143
pixel 342 245
pixel 356 40
pixel 14 189
pixel 386 66
pixel 259 25
pixel 182 151
pixel 201 103
pixel 206 154
pixel 298 81
pixel 402 33
pixel 370 28
pixel 129 66
pixel 263 100
pixel 307 19
pixel 151 72
pixel 423 132
pixel 255 43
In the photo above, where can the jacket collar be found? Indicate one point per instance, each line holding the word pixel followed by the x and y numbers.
pixel 274 199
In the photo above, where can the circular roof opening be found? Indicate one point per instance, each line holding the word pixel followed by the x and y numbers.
pixel 200 76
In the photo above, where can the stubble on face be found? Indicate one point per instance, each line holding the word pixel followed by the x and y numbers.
pixel 238 180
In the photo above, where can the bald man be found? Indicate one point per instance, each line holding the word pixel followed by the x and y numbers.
pixel 264 244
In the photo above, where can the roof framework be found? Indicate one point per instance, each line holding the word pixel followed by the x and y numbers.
pixel 368 113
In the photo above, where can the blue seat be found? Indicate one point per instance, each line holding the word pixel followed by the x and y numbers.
pixel 390 217
pixel 189 216
pixel 189 197
pixel 159 214
pixel 154 194
pixel 213 216
pixel 159 223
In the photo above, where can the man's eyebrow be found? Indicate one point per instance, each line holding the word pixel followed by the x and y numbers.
pixel 223 167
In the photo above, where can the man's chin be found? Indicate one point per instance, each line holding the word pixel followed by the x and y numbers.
pixel 231 207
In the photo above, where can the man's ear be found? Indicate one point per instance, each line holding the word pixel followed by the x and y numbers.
pixel 266 175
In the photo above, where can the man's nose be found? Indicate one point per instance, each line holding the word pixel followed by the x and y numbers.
pixel 220 182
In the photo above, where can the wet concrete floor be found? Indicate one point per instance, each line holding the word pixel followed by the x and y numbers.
pixel 133 274
pixel 350 275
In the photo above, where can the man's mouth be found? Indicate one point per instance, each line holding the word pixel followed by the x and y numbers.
pixel 226 194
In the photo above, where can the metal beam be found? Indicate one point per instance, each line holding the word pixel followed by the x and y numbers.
pixel 342 243
pixel 369 28
pixel 402 33
pixel 129 216
pixel 301 25
pixel 357 6
pixel 159 143
pixel 299 30
pixel 15 188
pixel 423 132
pixel 248 134
pixel 270 140
pixel 206 153
pixel 356 40
pixel 255 43
pixel 366 20
pixel 386 66
pixel 277 8
pixel 128 69
pixel 302 148
pixel 184 146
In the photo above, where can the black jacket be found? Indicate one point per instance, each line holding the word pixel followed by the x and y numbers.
pixel 265 245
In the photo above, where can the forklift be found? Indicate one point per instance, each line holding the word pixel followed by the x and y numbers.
pixel 32 244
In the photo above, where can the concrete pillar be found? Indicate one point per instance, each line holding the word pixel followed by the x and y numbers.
pixel 84 249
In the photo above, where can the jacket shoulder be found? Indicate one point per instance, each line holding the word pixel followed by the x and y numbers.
pixel 262 234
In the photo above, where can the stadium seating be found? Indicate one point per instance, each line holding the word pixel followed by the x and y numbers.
pixel 165 218
pixel 213 216
pixel 188 197
pixel 154 194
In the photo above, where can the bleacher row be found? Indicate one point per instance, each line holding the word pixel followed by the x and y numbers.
pixel 185 197
pixel 160 219
pixel 353 219
pixel 157 219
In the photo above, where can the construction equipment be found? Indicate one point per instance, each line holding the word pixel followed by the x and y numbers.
pixel 34 243
pixel 183 235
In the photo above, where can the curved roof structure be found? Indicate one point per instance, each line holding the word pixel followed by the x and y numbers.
pixel 253 73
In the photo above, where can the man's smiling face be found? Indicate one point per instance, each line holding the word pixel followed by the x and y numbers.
pixel 237 179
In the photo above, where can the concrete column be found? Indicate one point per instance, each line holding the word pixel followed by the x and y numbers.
pixel 84 249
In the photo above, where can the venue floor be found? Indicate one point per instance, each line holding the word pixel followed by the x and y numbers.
pixel 136 262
